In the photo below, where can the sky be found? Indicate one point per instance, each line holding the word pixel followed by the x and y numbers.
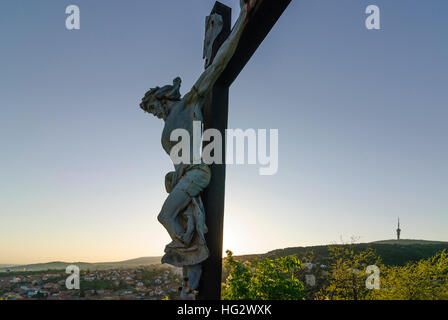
pixel 361 116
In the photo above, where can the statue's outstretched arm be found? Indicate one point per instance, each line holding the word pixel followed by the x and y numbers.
pixel 208 78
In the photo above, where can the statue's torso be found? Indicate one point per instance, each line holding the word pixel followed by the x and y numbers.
pixel 181 116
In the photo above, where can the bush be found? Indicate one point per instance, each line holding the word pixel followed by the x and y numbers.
pixel 347 273
pixel 264 279
pixel 426 279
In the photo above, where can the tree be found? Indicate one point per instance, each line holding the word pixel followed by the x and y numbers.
pixel 426 279
pixel 347 273
pixel 264 279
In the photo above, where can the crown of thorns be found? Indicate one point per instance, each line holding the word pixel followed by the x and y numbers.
pixel 169 92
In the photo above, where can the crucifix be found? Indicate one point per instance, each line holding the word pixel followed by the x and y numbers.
pixel 193 213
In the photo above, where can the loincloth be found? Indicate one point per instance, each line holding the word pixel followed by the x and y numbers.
pixel 192 180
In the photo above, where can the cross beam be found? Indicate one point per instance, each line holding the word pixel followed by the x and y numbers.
pixel 262 19
pixel 215 114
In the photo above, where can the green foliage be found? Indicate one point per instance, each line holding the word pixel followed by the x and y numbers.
pixel 97 285
pixel 29 273
pixel 264 279
pixel 423 280
pixel 426 279
pixel 347 273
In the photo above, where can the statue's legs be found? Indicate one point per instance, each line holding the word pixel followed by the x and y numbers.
pixel 189 186
pixel 192 274
pixel 174 204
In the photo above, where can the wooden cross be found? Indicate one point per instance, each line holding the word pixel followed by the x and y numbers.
pixel 215 113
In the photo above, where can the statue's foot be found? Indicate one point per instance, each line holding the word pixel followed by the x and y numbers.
pixel 190 295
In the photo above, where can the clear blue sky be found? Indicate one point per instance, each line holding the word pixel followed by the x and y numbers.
pixel 362 119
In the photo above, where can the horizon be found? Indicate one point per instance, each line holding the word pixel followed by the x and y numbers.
pixel 5 265
pixel 361 118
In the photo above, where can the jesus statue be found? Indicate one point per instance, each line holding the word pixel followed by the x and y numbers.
pixel 182 213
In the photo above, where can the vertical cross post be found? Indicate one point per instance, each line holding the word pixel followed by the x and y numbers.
pixel 262 19
pixel 215 114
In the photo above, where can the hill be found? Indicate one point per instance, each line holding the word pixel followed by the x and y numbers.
pixel 59 265
pixel 405 242
pixel 392 252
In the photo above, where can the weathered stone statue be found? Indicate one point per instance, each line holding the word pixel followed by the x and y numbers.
pixel 182 213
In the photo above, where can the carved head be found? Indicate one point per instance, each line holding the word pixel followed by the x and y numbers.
pixel 158 101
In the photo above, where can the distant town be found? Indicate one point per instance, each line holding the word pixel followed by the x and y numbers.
pixel 147 279
pixel 156 282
